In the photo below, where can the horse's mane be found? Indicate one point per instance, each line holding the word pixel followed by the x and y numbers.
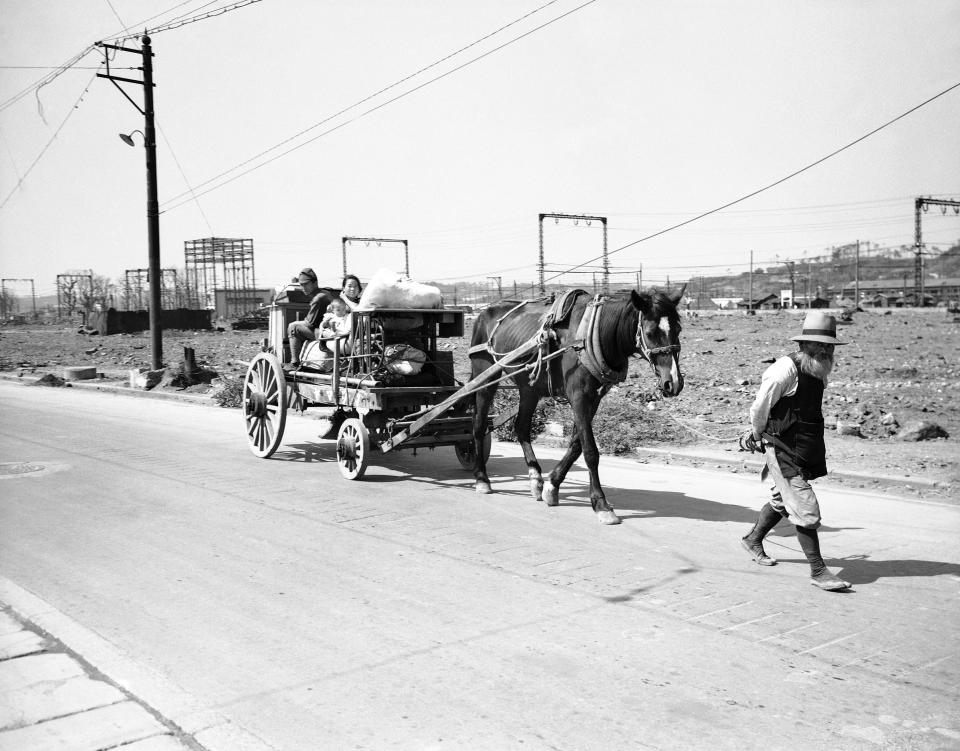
pixel 663 305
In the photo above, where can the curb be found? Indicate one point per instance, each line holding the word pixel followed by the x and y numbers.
pixel 181 714
pixel 756 465
pixel 112 388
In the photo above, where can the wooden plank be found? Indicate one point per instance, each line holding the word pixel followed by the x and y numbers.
pixel 104 727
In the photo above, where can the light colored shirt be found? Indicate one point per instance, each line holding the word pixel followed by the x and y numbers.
pixel 778 381
pixel 337 324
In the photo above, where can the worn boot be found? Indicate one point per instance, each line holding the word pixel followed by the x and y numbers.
pixel 820 575
pixel 753 542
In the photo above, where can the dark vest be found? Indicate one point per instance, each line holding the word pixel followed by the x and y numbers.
pixel 796 427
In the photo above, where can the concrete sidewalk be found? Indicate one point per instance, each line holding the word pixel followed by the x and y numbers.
pixel 50 699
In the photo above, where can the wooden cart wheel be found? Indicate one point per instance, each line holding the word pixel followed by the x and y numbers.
pixel 467 455
pixel 353 448
pixel 264 404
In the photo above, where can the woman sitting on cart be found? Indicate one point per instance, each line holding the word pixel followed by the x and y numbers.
pixel 350 291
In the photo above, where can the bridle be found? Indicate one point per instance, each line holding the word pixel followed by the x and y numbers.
pixel 648 353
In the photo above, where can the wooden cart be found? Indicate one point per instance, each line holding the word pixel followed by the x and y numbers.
pixel 367 404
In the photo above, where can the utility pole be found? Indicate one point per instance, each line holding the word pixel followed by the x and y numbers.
pixel 576 218
pixel 543 290
pixel 789 265
pixel 378 241
pixel 856 278
pixel 751 280
pixel 499 281
pixel 153 207
pixel 921 204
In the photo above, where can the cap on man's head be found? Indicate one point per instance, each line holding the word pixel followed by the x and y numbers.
pixel 306 275
pixel 819 327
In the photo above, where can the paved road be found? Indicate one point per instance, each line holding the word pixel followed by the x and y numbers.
pixel 259 604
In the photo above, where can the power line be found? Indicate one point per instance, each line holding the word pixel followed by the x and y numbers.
pixel 362 101
pixel 776 182
pixel 372 109
pixel 114 11
pixel 72 62
pixel 52 139
pixel 37 85
pixel 57 67
pixel 184 176
pixel 193 19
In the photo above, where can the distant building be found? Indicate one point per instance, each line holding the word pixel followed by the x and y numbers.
pixel 899 292
pixel 233 303
pixel 768 302
pixel 726 303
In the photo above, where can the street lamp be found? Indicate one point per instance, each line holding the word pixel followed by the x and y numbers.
pixel 128 139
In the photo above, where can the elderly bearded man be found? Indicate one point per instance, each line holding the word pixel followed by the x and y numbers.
pixel 786 421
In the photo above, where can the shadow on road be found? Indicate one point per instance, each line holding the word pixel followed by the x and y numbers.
pixel 629 503
pixel 862 570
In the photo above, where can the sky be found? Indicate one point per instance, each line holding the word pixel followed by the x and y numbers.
pixel 454 125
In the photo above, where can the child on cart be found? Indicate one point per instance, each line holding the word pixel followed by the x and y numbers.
pixel 335 326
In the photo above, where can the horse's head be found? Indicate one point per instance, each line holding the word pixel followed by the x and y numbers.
pixel 658 337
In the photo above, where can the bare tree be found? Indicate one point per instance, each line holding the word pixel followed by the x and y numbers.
pixel 100 292
pixel 9 304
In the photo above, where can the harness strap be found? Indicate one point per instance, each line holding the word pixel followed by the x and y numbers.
pixel 590 351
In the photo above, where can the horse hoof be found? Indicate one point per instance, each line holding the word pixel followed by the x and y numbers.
pixel 483 488
pixel 551 495
pixel 607 517
pixel 536 488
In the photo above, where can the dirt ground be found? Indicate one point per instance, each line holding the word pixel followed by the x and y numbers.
pixel 901 366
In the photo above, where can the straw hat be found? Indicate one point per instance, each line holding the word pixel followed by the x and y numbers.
pixel 819 327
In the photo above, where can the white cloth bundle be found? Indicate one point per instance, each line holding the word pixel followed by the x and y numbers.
pixel 404 359
pixel 388 289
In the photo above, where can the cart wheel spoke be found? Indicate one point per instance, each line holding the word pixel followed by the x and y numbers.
pixel 353 448
pixel 264 404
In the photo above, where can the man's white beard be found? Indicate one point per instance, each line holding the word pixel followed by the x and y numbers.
pixel 818 367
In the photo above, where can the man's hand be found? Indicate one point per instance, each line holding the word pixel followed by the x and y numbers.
pixel 748 442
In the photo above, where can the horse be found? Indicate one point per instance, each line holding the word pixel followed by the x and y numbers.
pixel 583 362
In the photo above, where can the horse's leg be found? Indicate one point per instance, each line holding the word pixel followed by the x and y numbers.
pixel 528 405
pixel 585 407
pixel 551 490
pixel 483 401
